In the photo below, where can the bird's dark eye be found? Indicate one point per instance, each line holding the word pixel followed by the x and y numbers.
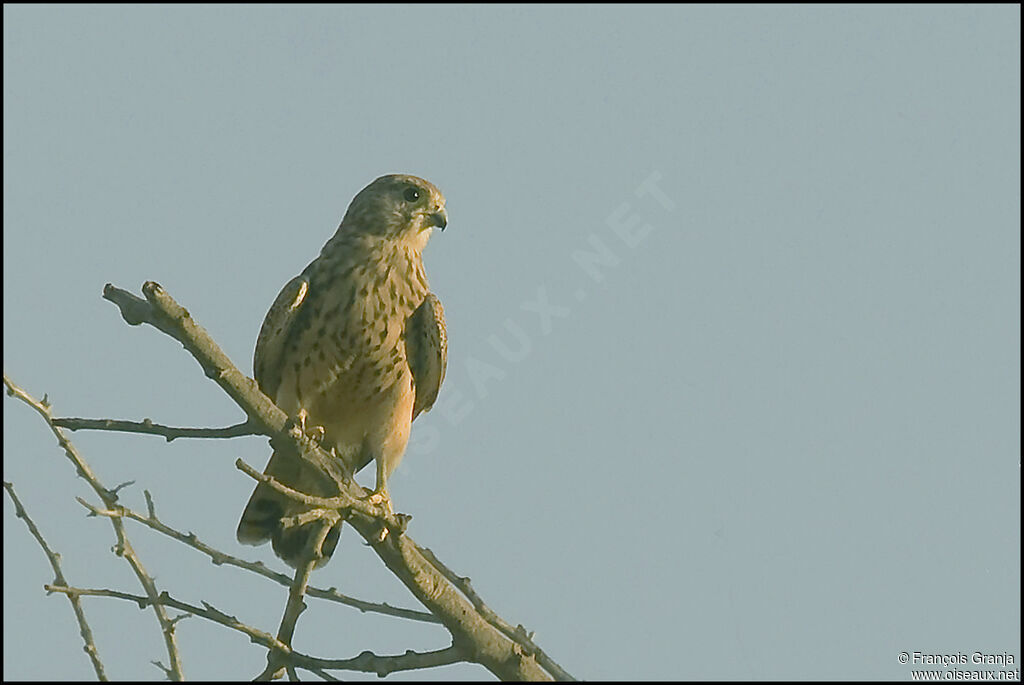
pixel 412 194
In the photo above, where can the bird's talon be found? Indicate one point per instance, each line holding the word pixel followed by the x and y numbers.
pixel 382 500
pixel 314 433
pixel 317 434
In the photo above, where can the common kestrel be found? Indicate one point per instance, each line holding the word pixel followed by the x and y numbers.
pixel 355 345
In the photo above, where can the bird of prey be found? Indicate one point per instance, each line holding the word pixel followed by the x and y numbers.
pixel 355 348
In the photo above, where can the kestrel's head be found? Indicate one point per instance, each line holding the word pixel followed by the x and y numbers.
pixel 397 206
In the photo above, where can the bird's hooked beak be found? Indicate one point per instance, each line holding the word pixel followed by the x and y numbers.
pixel 438 218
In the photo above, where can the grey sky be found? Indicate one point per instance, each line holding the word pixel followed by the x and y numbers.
pixel 772 432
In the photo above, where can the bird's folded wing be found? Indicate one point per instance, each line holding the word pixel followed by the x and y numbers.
pixel 426 346
pixel 275 332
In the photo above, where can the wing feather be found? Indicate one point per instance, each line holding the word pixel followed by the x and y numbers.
pixel 274 334
pixel 426 347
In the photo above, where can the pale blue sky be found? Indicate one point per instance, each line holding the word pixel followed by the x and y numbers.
pixel 775 434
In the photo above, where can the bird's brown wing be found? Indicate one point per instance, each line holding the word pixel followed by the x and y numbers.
pixel 426 347
pixel 274 334
pixel 261 520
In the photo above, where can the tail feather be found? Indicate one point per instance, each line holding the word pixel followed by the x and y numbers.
pixel 261 519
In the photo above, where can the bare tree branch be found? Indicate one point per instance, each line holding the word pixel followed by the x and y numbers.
pixel 220 558
pixel 276 659
pixel 478 634
pixel 109 497
pixel 344 501
pixel 366 662
pixel 519 633
pixel 148 427
pixel 164 599
pixel 478 639
pixel 59 579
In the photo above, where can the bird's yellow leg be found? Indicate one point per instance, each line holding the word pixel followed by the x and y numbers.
pixel 380 495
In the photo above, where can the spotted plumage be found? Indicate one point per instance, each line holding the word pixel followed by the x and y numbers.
pixel 355 345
